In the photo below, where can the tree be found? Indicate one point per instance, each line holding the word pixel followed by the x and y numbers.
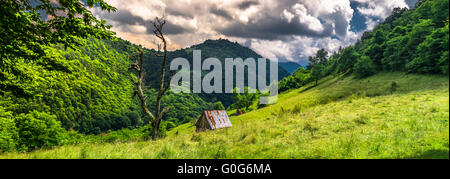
pixel 156 118
pixel 432 54
pixel 316 72
pixel 25 32
pixel 8 131
pixel 320 58
pixel 39 129
pixel 244 100
pixel 364 67
pixel 347 59
pixel 218 106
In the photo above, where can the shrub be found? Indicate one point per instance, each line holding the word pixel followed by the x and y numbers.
pixel 170 125
pixel 364 67
pixel 8 132
pixel 38 129
pixel 393 87
pixel 218 106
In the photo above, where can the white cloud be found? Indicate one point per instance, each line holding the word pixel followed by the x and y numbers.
pixel 287 15
pixel 305 18
pixel 321 23
pixel 380 8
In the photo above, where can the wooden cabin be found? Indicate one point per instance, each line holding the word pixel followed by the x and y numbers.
pixel 211 120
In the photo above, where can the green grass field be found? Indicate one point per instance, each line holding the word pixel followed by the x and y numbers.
pixel 388 115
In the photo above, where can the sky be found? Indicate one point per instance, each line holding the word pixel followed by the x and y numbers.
pixel 290 30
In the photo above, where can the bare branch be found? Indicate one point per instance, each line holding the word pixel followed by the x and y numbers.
pixel 158 24
pixel 164 111
pixel 167 85
pixel 138 66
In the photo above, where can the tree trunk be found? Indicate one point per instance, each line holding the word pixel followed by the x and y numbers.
pixel 155 130
pixel 139 67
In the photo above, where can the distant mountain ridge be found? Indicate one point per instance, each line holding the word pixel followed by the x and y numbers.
pixel 220 49
pixel 289 66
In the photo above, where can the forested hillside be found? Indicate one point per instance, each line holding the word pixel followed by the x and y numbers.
pixel 90 93
pixel 89 90
pixel 413 41
pixel 410 40
pixel 219 49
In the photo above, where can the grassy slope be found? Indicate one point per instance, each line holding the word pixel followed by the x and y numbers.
pixel 340 118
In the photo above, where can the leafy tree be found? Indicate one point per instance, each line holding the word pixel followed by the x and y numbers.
pixel 25 33
pixel 364 67
pixel 347 59
pixel 320 58
pixel 183 106
pixel 395 55
pixel 8 132
pixel 218 106
pixel 37 129
pixel 298 79
pixel 432 54
pixel 317 72
pixel 245 99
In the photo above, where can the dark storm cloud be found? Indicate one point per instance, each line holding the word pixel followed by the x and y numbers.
pixel 246 4
pixel 124 18
pixel 220 12
pixel 179 12
pixel 273 28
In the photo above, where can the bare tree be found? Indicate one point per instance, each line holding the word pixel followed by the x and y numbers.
pixel 156 117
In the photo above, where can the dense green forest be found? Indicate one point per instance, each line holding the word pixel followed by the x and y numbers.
pixel 92 92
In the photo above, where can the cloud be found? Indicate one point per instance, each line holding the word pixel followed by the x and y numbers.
pixel 380 8
pixel 246 4
pixel 287 29
pixel 124 19
pixel 282 20
pixel 220 12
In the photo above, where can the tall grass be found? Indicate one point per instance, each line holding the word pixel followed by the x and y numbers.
pixel 341 118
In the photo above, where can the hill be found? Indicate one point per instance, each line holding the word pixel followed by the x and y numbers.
pixel 89 90
pixel 342 117
pixel 220 49
pixel 289 66
pixel 410 40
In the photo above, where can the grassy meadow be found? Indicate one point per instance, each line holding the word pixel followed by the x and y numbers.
pixel 388 115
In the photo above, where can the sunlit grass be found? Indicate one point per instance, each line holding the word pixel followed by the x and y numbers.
pixel 389 115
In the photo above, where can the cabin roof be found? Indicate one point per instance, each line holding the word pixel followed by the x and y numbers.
pixel 216 119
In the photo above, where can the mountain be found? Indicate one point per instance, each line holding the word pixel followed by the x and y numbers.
pixel 289 66
pixel 90 91
pixel 219 49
